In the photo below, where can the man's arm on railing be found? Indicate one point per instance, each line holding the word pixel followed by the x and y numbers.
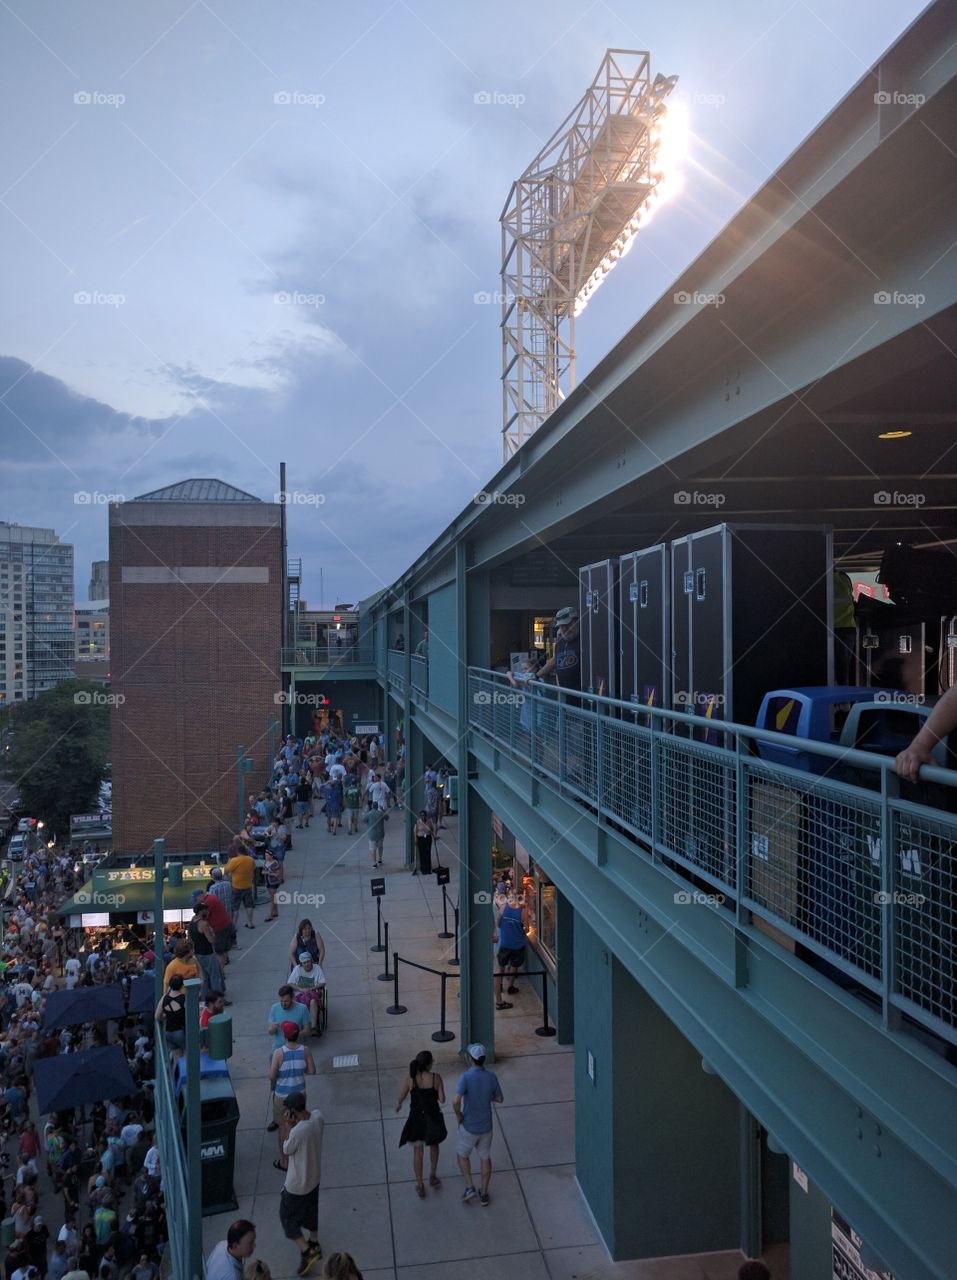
pixel 940 722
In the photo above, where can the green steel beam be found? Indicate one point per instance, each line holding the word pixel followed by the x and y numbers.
pixel 870 1116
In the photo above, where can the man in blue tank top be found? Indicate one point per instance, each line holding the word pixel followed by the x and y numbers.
pixel 511 948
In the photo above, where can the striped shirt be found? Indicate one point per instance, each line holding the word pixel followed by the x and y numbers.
pixel 291 1077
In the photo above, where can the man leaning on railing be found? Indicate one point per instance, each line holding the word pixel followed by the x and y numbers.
pixel 941 721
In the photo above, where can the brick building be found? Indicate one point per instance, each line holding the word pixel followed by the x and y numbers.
pixel 196 605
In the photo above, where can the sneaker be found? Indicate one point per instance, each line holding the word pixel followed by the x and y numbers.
pixel 468 1194
pixel 310 1256
pixel 483 1199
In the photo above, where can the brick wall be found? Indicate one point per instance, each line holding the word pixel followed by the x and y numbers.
pixel 197 667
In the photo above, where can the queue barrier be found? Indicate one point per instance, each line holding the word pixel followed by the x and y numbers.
pixel 443 1035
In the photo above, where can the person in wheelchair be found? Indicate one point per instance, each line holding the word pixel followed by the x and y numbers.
pixel 309 984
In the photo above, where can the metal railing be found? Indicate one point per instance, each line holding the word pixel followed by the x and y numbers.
pixel 169 1139
pixel 305 655
pixel 848 861
pixel 420 674
pixel 396 665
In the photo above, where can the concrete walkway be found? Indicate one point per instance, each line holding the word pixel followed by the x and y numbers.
pixel 538 1226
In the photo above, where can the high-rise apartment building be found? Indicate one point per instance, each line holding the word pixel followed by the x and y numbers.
pixel 196 617
pixel 36 611
pixel 99 580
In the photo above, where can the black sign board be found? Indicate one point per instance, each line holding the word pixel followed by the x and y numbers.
pixel 378 886
pixel 442 875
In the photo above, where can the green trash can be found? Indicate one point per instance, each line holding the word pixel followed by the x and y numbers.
pixel 219 1118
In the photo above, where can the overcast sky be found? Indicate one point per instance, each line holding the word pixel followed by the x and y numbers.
pixel 284 214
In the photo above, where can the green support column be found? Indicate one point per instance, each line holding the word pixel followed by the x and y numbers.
pixel 565 1001
pixel 658 1141
pixel 410 777
pixel 414 790
pixel 476 920
pixel 475 824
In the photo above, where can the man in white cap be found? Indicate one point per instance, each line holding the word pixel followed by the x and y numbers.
pixel 308 980
pixel 476 1091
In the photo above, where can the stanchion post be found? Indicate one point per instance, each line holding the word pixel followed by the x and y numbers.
pixel 378 927
pixel 395 1007
pixel 387 976
pixel 443 1035
pixel 455 958
pixel 445 915
pixel 545 1029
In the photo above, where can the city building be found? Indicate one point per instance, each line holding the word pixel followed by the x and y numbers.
pixel 750 946
pixel 36 611
pixel 99 580
pixel 196 605
pixel 92 631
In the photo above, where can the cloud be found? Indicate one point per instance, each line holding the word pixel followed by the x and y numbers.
pixel 42 419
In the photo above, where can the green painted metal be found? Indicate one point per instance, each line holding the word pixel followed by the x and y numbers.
pixel 182 1169
pixel 810 1255
pixel 444 661
pixel 812 1063
pixel 594 1077
pixel 874 868
pixel 564 1004
pixel 194 1161
pixel 476 924
pixel 685 1126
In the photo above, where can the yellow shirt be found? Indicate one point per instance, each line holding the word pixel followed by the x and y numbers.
pixel 188 968
pixel 242 869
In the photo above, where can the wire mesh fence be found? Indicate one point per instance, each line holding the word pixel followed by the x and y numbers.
pixel 173 1164
pixel 860 875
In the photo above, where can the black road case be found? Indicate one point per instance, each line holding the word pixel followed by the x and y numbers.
pixel 895 656
pixel 645 642
pixel 751 608
pixel 947 669
pixel 599 634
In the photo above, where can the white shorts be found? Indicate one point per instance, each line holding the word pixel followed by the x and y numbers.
pixel 480 1143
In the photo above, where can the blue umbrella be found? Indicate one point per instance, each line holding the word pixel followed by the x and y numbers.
pixel 142 995
pixel 83 1004
pixel 74 1079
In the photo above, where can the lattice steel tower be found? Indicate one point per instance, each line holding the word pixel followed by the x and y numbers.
pixel 569 218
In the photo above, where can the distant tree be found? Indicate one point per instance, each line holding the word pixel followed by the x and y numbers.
pixel 59 748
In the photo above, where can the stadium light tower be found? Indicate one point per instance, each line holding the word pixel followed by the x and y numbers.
pixel 569 218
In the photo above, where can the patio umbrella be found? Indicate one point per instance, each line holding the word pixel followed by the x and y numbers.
pixel 142 995
pixel 74 1079
pixel 83 1004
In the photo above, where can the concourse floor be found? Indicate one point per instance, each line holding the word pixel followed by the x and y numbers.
pixel 538 1226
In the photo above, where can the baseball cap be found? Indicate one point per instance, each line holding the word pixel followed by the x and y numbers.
pixel 217 873
pixel 564 616
pixel 476 1051
pixel 295 1101
pixel 289 1029
pixel 304 956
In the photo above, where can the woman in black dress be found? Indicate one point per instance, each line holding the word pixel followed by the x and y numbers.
pixel 425 1126
pixel 424 835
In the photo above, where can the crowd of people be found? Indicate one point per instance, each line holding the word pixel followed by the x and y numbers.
pixel 350 784
pixel 102 1162
pixel 83 1190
